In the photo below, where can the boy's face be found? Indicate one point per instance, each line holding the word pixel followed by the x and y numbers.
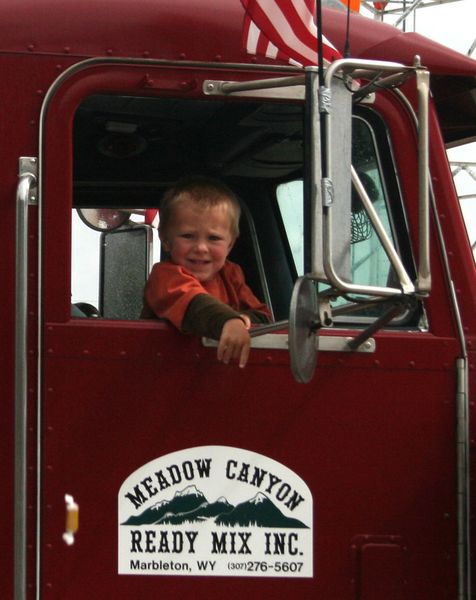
pixel 199 239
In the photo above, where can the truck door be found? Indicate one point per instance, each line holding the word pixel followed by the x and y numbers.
pixel 194 478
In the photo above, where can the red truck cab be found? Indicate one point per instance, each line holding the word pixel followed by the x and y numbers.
pixel 337 464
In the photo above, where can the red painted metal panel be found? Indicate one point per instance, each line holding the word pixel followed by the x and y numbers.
pixel 380 567
pixel 135 29
pixel 21 103
pixel 382 575
pixel 155 30
pixel 372 444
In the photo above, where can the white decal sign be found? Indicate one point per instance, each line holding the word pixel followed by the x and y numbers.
pixel 215 510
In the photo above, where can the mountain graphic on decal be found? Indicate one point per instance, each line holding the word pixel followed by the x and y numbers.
pixel 204 512
pixel 260 511
pixel 184 501
pixel 191 506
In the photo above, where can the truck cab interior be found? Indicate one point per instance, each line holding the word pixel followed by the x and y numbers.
pixel 129 149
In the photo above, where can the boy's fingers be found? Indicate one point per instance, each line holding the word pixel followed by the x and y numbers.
pixel 245 352
pixel 240 352
pixel 234 343
pixel 221 351
pixel 226 351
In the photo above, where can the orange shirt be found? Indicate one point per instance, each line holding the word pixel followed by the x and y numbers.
pixel 170 289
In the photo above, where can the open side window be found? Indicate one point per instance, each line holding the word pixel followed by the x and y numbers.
pixel 128 150
pixel 256 135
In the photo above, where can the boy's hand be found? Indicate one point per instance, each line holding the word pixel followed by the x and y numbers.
pixel 234 342
pixel 247 320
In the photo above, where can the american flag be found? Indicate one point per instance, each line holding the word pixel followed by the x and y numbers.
pixel 284 29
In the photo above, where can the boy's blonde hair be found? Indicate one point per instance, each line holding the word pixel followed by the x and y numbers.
pixel 206 192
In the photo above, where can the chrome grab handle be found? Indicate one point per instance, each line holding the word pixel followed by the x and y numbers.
pixel 25 195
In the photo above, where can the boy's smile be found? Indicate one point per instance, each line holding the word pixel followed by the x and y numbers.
pixel 199 239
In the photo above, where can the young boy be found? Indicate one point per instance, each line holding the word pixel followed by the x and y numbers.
pixel 198 289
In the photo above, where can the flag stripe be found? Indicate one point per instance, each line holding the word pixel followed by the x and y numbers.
pixel 290 32
pixel 256 42
pixel 279 29
pixel 301 20
pixel 284 28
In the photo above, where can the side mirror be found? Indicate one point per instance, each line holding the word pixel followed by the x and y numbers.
pixel 303 330
pixel 329 186
pixel 328 196
pixel 103 219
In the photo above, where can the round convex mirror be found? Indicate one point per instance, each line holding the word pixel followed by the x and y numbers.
pixel 303 330
pixel 103 219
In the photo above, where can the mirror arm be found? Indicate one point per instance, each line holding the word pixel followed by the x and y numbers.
pixel 268 328
pixel 398 306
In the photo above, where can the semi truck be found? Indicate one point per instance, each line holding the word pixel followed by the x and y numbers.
pixel 338 465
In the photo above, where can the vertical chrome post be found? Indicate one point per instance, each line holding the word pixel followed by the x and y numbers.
pixel 423 283
pixel 463 478
pixel 25 195
pixel 313 124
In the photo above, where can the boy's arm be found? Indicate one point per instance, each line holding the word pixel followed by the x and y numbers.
pixel 208 316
